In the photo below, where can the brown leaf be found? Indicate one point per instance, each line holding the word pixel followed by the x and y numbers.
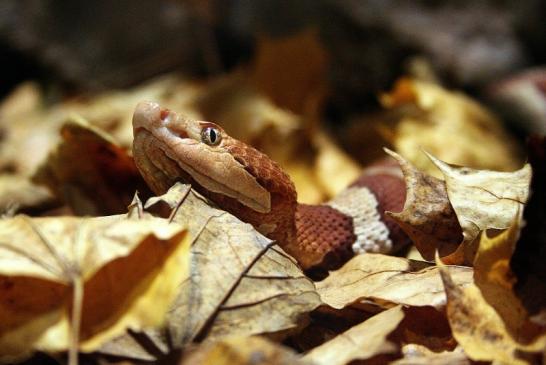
pixel 361 342
pixel 428 217
pixel 242 351
pixel 291 70
pixel 387 281
pixel 90 172
pixel 89 278
pixel 479 329
pixel 240 283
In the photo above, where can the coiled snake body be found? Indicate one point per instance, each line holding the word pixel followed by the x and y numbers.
pixel 243 181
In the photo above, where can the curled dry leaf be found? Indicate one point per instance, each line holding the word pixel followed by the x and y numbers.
pixel 450 126
pixel 360 342
pixel 479 329
pixel 387 281
pixel 484 199
pixel 240 283
pixel 428 217
pixel 64 278
pixel 90 172
pixel 243 351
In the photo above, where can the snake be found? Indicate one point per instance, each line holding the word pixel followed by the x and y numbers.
pixel 239 179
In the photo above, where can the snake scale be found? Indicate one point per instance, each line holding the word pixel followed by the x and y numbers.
pixel 239 179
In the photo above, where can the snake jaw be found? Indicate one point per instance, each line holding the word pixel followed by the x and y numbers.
pixel 214 168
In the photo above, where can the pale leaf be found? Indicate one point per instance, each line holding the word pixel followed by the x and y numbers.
pixel 240 283
pixel 420 355
pixel 387 281
pixel 360 342
pixel 484 199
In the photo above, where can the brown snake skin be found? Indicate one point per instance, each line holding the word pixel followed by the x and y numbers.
pixel 245 182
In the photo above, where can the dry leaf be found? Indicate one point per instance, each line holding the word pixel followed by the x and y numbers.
pixel 242 351
pixel 484 199
pixel 240 283
pixel 494 277
pixel 428 217
pixel 18 192
pixel 291 70
pixel 420 355
pixel 387 281
pixel 449 125
pixel 361 342
pixel 98 275
pixel 335 170
pixel 479 329
pixel 90 172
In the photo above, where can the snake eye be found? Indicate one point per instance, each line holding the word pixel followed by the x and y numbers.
pixel 211 136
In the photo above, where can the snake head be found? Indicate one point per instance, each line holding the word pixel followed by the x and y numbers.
pixel 169 147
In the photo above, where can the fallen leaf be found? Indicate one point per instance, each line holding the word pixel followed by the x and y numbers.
pixel 243 351
pixel 240 282
pixel 428 217
pixel 484 199
pixel 18 192
pixel 292 71
pixel 387 281
pixel 420 355
pixel 479 329
pixel 494 277
pixel 361 342
pixel 66 279
pixel 335 170
pixel 90 172
pixel 449 125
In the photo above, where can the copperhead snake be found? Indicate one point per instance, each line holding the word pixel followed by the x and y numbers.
pixel 239 179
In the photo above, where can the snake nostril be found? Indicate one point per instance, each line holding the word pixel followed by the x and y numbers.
pixel 164 113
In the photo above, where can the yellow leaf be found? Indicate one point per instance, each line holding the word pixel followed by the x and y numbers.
pixel 242 351
pixel 479 329
pixel 89 278
pixel 449 125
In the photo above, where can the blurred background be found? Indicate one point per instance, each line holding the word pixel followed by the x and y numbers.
pixel 98 45
pixel 320 85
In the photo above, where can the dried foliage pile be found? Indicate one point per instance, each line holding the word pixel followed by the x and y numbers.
pixel 87 268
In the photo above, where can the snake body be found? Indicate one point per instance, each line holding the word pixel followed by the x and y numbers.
pixel 245 182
